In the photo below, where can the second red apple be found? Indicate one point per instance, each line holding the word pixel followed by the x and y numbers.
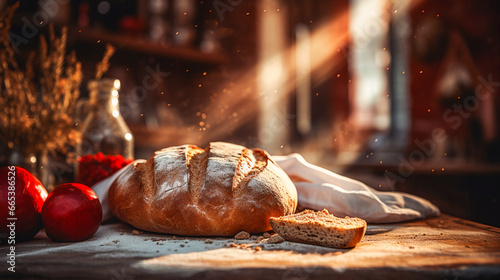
pixel 72 212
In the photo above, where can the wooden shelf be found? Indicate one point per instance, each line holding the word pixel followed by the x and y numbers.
pixel 144 46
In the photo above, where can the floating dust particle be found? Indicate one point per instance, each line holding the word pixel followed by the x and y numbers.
pixel 199 85
pixel 187 70
pixel 204 73
pixel 185 13
pixel 317 94
pixel 421 72
pixel 376 140
pixel 198 114
pixel 380 162
pixel 387 68
pixel 277 10
pixel 202 123
pixel 142 115
pixel 404 72
pixel 98 41
pixel 203 116
pixel 265 11
pixel 442 169
pixel 428 110
pixel 247 14
pixel 423 11
pixel 338 75
pixel 432 170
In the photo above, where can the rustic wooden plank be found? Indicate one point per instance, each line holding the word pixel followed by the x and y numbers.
pixel 442 247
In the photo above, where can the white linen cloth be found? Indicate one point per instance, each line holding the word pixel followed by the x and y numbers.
pixel 340 195
pixel 343 196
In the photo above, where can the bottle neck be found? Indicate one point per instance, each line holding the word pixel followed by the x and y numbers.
pixel 105 101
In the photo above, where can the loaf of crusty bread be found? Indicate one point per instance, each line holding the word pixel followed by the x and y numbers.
pixel 217 191
pixel 320 228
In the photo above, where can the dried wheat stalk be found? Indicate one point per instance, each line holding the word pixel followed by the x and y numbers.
pixel 103 66
pixel 36 114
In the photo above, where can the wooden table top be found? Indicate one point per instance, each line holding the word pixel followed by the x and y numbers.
pixel 437 248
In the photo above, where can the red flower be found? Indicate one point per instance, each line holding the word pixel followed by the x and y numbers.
pixel 94 168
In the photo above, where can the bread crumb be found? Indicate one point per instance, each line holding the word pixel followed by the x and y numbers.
pixel 259 239
pixel 253 237
pixel 275 239
pixel 209 241
pixel 182 245
pixel 174 238
pixel 243 246
pixel 266 235
pixel 135 232
pixel 242 235
pixel 233 245
pixel 258 248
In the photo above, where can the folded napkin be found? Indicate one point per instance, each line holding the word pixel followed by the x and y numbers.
pixel 322 189
pixel 343 196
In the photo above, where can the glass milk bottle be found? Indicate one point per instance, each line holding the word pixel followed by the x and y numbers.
pixel 106 141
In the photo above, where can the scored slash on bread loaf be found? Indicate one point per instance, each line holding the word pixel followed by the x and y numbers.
pixel 217 191
pixel 320 228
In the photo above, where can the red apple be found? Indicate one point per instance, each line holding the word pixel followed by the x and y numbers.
pixel 21 200
pixel 72 212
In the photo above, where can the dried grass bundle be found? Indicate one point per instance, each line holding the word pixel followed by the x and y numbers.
pixel 37 113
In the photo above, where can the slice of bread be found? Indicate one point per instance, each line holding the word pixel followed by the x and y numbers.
pixel 320 228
